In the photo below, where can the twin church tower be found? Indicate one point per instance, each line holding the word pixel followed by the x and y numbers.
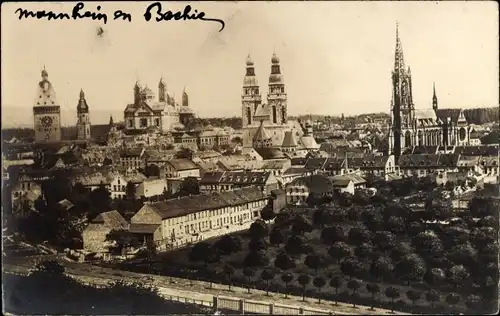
pixel 273 115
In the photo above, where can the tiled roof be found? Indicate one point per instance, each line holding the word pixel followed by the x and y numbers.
pixel 443 114
pixel 207 166
pixel 477 150
pixel 449 160
pixel 143 228
pixel 468 161
pixel 132 152
pixel 295 171
pixel 309 142
pixel 299 161
pixel 192 204
pixel 208 134
pixel 236 177
pixel 111 219
pixel 315 163
pixel 183 164
pixel 270 153
pixel 274 164
pixel 316 183
pixel 261 134
pixel 425 150
pixel 289 140
pixel 334 164
pixel 93 179
pixel 489 161
pixel 418 160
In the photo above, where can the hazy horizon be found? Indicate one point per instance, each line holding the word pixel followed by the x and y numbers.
pixel 336 57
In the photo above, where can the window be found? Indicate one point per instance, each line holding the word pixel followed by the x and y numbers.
pixel 143 122
pixel 130 123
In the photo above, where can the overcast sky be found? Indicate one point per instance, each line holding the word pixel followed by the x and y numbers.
pixel 336 57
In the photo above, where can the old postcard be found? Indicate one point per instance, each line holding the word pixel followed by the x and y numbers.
pixel 254 157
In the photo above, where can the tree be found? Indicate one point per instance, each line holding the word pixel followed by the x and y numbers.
pixel 473 302
pixel 339 215
pixel 184 153
pixel 453 299
pixel 282 220
pixel 258 229
pixel 435 276
pixel 428 244
pixel 319 217
pixel 411 268
pixel 353 285
pixel 374 289
pixel 340 250
pixel 333 234
pixel 463 254
pixel 413 296
pixel 352 267
pixel 415 228
pixel 392 293
pixel 313 262
pixel 256 259
pixel 121 240
pixel 100 199
pixel 354 213
pixel 319 282
pixel 267 275
pixel 372 219
pixel 295 245
pixel 276 237
pixel 189 186
pixel 284 262
pixel 228 271
pixel 257 245
pixel 364 251
pixel 201 252
pixel 384 240
pixel 381 268
pixel 267 213
pixel 358 235
pixel 249 273
pixel 400 251
pixel 395 225
pixel 457 275
pixel 304 280
pixel 336 282
pixel 286 278
pixel 227 245
pixel 432 297
pixel 301 225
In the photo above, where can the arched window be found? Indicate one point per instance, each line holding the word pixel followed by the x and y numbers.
pixel 407 139
pixel 283 115
pixel 249 116
pixel 275 114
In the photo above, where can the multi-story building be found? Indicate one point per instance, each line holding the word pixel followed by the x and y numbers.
pixel 410 127
pixel 221 181
pixel 46 112
pixel 132 158
pixel 160 115
pixel 178 222
pixel 181 168
pixel 272 115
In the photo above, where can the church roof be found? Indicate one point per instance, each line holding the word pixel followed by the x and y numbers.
pixel 425 114
pixel 309 142
pixel 261 134
pixel 443 114
pixel 46 95
pixel 289 140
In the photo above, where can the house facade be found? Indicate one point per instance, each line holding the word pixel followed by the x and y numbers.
pixel 94 235
pixel 181 168
pixel 221 181
pixel 191 219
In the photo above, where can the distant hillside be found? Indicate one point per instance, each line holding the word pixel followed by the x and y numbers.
pixel 97 131
pixel 480 116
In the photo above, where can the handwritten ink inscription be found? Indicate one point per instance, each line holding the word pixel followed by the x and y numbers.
pixel 154 10
pixel 185 15
pixel 76 14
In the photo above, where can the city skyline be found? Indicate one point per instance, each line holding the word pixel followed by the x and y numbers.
pixel 343 67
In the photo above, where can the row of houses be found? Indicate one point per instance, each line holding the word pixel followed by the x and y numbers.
pixel 181 221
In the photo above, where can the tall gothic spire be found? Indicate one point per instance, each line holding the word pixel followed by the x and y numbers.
pixel 399 62
pixel 434 97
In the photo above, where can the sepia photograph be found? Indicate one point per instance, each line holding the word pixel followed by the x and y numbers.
pixel 250 157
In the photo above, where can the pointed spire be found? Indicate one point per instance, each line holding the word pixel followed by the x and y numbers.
pixel 111 120
pixel 399 63
pixel 82 94
pixel 433 89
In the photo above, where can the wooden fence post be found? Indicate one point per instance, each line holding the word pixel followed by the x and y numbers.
pixel 242 306
pixel 215 303
pixel 271 309
pixel 301 310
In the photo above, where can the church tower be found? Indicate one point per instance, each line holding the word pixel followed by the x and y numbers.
pixel 402 107
pixel 162 91
pixel 434 97
pixel 185 98
pixel 250 98
pixel 83 122
pixel 46 112
pixel 276 97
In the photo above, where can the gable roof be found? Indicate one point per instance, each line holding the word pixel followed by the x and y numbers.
pixel 183 164
pixel 289 140
pixel 444 114
pixel 316 183
pixel 111 219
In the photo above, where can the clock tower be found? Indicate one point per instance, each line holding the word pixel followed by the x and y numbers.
pixel 46 112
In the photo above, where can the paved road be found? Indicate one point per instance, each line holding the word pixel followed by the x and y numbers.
pixel 197 290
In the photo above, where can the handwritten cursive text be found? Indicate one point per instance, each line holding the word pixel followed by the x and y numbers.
pixel 76 13
pixel 185 15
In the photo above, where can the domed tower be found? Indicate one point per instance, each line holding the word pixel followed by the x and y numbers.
pixel 276 97
pixel 46 111
pixel 83 120
pixel 250 98
pixel 162 91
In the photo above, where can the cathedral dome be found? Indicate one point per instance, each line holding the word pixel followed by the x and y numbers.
pixel 249 61
pixel 276 78
pixel 275 59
